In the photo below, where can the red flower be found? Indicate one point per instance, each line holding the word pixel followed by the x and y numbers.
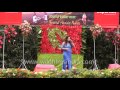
pixel 9 41
pixel 6 31
pixel 1 41
pixel 1 37
pixel 0 46
pixel 12 29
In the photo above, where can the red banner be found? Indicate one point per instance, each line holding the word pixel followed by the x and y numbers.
pixel 10 18
pixel 106 19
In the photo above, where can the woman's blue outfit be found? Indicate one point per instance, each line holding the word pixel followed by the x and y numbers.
pixel 67 56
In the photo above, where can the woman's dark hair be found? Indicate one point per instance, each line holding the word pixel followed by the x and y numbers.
pixel 66 40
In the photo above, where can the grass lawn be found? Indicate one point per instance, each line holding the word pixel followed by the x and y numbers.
pixel 57 60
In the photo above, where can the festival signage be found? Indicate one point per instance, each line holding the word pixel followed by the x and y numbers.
pixel 107 19
pixel 59 18
pixel 10 18
pixel 71 18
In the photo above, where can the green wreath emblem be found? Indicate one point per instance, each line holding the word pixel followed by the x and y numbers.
pixel 53 38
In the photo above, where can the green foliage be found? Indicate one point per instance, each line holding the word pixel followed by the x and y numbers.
pixel 14 50
pixel 84 37
pixel 39 37
pixel 104 49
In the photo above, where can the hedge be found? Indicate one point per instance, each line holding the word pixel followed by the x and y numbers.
pixel 76 73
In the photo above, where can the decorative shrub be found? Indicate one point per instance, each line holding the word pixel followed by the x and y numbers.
pixel 104 49
pixel 14 49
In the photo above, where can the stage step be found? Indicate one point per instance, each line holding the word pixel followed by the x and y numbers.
pixel 113 66
pixel 44 67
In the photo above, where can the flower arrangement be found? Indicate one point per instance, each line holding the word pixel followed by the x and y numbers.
pixel 113 35
pixel 25 28
pixel 96 30
pixel 10 32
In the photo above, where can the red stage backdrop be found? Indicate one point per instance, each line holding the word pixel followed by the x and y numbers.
pixel 73 31
pixel 10 18
pixel 107 19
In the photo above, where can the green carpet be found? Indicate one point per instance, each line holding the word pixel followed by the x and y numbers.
pixel 57 60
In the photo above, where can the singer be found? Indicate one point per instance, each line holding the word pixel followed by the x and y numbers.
pixel 66 47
